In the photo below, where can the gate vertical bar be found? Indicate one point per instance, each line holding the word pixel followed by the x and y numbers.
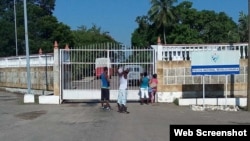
pixel 61 78
pixel 108 63
pixel 154 61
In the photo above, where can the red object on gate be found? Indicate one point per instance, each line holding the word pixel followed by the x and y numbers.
pixel 100 63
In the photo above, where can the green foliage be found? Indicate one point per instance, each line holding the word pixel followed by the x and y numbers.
pixel 243 27
pixel 161 14
pixel 179 24
pixel 93 35
pixel 176 101
pixel 185 25
pixel 7 40
pixel 141 36
pixel 42 27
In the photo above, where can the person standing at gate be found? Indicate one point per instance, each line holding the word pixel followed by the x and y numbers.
pixel 122 93
pixel 144 88
pixel 153 85
pixel 105 85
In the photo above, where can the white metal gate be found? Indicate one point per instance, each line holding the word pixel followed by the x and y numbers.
pixel 80 70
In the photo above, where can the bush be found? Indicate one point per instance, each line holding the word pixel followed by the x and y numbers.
pixel 176 101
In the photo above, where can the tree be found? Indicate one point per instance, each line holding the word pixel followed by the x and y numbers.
pixel 184 29
pixel 161 14
pixel 206 26
pixel 93 35
pixel 47 6
pixel 243 27
pixel 188 26
pixel 216 27
pixel 5 49
pixel 142 36
pixel 43 27
pixel 94 42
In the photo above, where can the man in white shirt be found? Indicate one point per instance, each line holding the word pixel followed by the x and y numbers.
pixel 122 93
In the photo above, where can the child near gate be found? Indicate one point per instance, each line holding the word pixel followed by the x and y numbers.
pixel 153 87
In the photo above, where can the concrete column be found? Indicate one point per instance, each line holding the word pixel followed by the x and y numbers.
pixel 159 49
pixel 40 52
pixel 53 99
pixel 56 70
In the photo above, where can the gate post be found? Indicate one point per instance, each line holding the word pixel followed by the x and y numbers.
pixel 159 49
pixel 56 70
pixel 53 99
pixel 158 52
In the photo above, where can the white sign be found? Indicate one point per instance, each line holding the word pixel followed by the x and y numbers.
pixel 215 62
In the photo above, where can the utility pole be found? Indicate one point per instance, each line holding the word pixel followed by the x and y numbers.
pixel 27 47
pixel 15 26
pixel 248 64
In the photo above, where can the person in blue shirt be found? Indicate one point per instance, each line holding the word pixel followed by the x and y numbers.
pixel 105 89
pixel 144 88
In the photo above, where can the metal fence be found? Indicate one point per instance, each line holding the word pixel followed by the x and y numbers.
pixel 81 69
pixel 183 51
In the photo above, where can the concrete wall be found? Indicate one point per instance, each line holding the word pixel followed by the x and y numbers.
pixel 175 80
pixel 16 77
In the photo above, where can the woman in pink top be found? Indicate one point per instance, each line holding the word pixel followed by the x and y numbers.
pixel 154 89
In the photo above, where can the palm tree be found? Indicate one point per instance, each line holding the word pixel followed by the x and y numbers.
pixel 161 14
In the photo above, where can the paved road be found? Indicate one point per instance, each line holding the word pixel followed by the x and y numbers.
pixel 87 122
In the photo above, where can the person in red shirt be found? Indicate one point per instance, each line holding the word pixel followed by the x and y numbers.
pixel 153 84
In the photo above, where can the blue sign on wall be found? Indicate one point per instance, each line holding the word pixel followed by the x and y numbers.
pixel 215 62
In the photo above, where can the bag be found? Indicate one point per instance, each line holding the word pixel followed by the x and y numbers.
pixel 152 85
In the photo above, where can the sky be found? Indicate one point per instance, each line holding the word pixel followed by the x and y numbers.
pixel 117 17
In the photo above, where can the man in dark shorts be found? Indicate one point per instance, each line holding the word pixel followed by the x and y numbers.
pixel 105 89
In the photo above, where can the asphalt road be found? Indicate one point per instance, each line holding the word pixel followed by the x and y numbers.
pixel 87 122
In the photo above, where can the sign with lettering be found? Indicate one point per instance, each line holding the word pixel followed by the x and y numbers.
pixel 215 62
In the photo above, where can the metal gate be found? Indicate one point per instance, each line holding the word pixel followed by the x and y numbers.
pixel 80 70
